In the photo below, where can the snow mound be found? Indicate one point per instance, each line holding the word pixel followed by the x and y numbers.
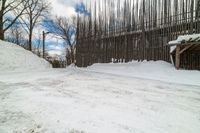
pixel 14 57
pixel 155 70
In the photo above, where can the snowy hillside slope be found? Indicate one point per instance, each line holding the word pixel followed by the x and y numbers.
pixel 14 57
pixel 154 70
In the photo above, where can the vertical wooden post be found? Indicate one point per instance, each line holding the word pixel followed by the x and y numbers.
pixel 178 56
pixel 43 33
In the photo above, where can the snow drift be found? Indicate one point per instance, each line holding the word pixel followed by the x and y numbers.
pixel 14 57
pixel 154 70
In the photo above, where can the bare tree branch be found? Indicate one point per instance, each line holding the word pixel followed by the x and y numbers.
pixel 64 28
pixel 13 7
pixel 35 11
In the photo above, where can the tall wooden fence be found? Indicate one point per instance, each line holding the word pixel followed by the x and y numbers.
pixel 133 30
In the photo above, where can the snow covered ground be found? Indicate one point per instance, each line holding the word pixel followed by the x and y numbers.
pixel 148 97
pixel 73 100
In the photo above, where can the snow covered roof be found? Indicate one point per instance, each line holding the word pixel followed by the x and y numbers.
pixel 185 38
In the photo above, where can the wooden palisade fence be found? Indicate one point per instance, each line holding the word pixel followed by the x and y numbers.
pixel 125 30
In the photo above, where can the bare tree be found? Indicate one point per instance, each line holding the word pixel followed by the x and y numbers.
pixel 64 28
pixel 14 8
pixel 15 34
pixel 36 10
pixel 38 45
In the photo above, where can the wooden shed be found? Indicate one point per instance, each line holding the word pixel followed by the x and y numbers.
pixel 185 52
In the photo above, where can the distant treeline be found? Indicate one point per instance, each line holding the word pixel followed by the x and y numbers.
pixel 124 30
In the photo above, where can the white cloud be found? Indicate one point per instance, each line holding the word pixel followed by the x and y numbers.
pixel 56 47
pixel 55 53
pixel 63 7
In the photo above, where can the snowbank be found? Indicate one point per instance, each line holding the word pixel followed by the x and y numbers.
pixel 14 57
pixel 158 70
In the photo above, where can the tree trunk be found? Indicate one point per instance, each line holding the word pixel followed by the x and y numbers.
pixel 1 35
pixel 30 40
pixel 1 28
pixel 72 54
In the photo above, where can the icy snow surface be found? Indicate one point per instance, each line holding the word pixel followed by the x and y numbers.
pixel 14 57
pixel 76 100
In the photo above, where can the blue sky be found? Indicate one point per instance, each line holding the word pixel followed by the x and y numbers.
pixel 64 8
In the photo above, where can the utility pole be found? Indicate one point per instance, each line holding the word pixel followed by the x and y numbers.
pixel 43 35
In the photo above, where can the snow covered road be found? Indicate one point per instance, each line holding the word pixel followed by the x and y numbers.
pixel 80 101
